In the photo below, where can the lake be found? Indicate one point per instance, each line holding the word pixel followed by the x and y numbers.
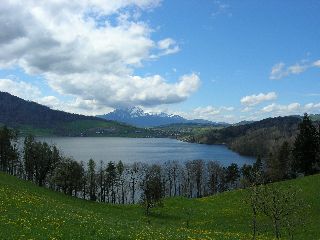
pixel 148 150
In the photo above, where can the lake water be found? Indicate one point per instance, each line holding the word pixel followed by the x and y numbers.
pixel 148 150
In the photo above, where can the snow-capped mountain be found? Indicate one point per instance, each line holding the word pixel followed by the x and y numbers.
pixel 137 117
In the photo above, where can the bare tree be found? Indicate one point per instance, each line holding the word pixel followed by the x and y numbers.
pixel 214 175
pixel 280 204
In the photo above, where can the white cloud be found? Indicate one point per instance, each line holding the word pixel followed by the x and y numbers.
pixel 168 46
pixel 89 49
pixel 253 100
pixel 211 113
pixel 280 70
pixel 312 106
pixel 30 92
pixel 246 109
pixel 50 101
pixel 78 105
pixel 290 109
pixel 121 91
pixel 296 69
pixel 316 63
pixel 20 89
pixel 221 8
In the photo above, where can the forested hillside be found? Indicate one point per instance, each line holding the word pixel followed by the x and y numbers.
pixel 15 111
pixel 253 139
pixel 30 117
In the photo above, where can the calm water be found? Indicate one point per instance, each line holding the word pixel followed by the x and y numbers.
pixel 149 150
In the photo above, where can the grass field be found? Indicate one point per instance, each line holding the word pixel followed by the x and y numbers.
pixel 30 212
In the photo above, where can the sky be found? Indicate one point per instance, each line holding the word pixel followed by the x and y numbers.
pixel 212 59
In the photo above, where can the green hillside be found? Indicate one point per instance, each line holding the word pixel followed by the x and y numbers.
pixel 30 117
pixel 30 212
pixel 89 128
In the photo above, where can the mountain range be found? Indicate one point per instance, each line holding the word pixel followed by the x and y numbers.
pixel 137 117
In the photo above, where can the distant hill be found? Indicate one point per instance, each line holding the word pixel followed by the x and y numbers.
pixel 253 139
pixel 31 117
pixel 16 111
pixel 137 117
pixel 315 117
pixel 243 123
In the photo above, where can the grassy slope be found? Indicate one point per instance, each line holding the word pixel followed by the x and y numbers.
pixel 30 212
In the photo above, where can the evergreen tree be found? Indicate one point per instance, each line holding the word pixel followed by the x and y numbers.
pixel 284 158
pixel 101 182
pixel 8 150
pixel 232 174
pixel 258 166
pixel 306 147
pixel 111 179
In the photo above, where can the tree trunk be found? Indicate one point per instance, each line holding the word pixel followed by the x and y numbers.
pixel 133 191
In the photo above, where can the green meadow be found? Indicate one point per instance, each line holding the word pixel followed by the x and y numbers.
pixel 31 212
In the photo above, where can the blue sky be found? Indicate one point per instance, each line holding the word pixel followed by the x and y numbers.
pixel 219 60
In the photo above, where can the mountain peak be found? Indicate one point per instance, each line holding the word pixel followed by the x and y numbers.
pixel 133 111
pixel 136 116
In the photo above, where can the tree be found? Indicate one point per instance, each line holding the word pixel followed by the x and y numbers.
pixel 284 158
pixel 198 166
pixel 232 174
pixel 29 154
pixel 254 202
pixel 306 147
pixel 280 204
pixel 215 175
pixel 9 156
pixel 101 182
pixel 121 180
pixel 280 162
pixel 135 174
pixel 258 165
pixel 77 175
pixel 152 189
pixel 247 175
pixel 282 207
pixel 39 160
pixel 43 162
pixel 68 176
pixel 111 176
pixel 91 176
pixel 55 158
pixel 188 179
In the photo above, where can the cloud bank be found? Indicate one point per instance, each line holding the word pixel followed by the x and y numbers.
pixel 290 109
pixel 89 49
